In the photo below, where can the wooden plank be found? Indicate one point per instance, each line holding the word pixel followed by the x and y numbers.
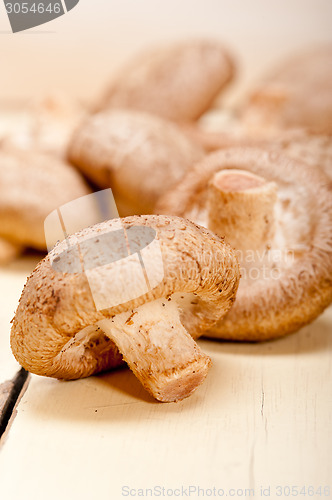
pixel 10 393
pixel 263 418
pixel 12 279
pixel 5 390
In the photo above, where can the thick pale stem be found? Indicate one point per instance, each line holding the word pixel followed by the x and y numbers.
pixel 158 349
pixel 241 208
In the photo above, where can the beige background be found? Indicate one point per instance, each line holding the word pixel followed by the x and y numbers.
pixel 78 52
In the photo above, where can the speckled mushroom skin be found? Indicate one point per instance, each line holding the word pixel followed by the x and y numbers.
pixel 297 94
pixel 275 307
pixel 31 186
pixel 313 149
pixel 138 155
pixel 55 307
pixel 305 145
pixel 178 82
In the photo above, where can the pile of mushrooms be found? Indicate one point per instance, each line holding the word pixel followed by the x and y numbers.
pixel 291 108
pixel 140 289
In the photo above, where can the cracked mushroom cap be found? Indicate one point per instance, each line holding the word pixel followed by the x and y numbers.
pixel 297 94
pixel 58 331
pixel 31 186
pixel 277 213
pixel 178 82
pixel 137 154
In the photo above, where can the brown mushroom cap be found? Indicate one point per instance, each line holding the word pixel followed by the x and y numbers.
pixel 305 145
pixel 31 186
pixel 137 154
pixel 298 94
pixel 178 82
pixel 226 137
pixel 301 286
pixel 55 331
pixel 313 149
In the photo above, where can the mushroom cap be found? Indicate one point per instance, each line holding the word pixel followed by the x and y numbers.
pixel 31 186
pixel 178 81
pixel 235 135
pixel 281 303
pixel 313 149
pixel 49 123
pixel 297 94
pixel 137 154
pixel 56 306
pixel 308 146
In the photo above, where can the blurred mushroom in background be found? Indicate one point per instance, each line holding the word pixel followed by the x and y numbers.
pixel 178 81
pixel 138 155
pixel 309 147
pixel 296 94
pixel 45 124
pixel 219 131
pixel 290 110
pixel 32 184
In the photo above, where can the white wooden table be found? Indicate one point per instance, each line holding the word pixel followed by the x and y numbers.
pixel 262 419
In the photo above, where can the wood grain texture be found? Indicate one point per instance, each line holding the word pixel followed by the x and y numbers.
pixel 10 396
pixel 5 390
pixel 263 418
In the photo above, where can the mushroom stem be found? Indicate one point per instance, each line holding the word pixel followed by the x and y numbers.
pixel 158 349
pixel 241 208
